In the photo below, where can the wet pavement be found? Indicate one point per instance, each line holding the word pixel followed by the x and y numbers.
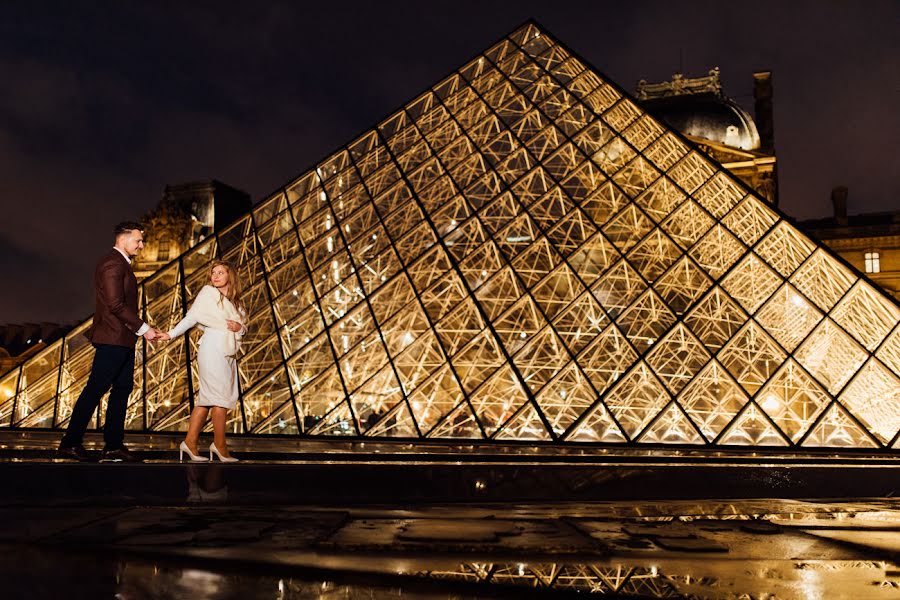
pixel 737 549
pixel 329 530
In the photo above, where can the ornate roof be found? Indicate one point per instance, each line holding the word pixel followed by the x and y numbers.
pixel 698 108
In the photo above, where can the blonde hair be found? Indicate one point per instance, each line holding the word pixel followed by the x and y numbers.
pixel 234 284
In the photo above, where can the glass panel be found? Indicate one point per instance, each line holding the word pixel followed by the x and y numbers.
pixel 618 288
pixel 660 199
pixel 477 360
pixel 628 228
pixel 750 220
pixel 635 177
pixel 541 359
pixel 677 358
pixel 434 398
pixel 830 355
pixel 889 353
pixel 788 317
pixel 752 428
pixel 717 251
pixel 565 398
pixel 592 259
pixel 666 151
pixel 374 400
pixel 316 397
pixel 557 290
pixel 837 430
pixel 525 425
pixel 418 361
pixel 606 358
pixel 866 314
pixel 497 400
pixel 7 396
pixel 823 279
pixel 712 399
pixel 654 255
pixel 785 248
pixel 793 399
pixel 646 320
pixel 38 387
pixel 262 401
pixel 673 426
pixel 874 398
pixel 636 399
pixel 681 285
pixel 687 224
pixel 719 195
pixel 751 357
pixel 691 172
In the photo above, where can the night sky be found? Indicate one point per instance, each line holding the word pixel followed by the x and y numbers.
pixel 103 106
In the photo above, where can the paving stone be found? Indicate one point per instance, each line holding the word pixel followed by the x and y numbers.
pixel 552 537
pixel 173 538
pixel 669 530
pixel 761 527
pixel 461 530
pixel 32 524
pixel 683 544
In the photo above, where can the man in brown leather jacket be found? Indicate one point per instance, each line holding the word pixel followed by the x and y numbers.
pixel 116 328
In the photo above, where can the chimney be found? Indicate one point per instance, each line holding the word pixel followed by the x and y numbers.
pixel 839 200
pixel 762 106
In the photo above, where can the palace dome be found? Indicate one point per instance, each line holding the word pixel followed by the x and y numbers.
pixel 708 116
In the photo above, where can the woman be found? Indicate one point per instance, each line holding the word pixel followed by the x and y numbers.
pixel 219 311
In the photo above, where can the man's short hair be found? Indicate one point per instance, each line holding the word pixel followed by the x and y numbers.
pixel 127 226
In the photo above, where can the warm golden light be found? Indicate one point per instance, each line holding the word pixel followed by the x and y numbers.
pixel 520 253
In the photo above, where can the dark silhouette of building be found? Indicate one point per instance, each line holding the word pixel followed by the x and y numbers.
pixel 187 214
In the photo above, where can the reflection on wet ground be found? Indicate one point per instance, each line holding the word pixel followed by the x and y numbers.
pixel 730 549
pixel 256 531
pixel 30 572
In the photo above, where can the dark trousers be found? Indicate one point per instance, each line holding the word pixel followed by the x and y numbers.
pixel 113 367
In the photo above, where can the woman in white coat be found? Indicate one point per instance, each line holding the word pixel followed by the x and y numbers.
pixel 218 310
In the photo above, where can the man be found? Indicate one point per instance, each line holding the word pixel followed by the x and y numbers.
pixel 116 328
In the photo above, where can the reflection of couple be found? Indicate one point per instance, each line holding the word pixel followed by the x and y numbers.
pixel 116 328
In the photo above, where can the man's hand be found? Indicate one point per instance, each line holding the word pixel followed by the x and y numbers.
pixel 233 325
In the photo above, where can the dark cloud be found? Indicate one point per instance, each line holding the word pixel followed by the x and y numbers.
pixel 107 102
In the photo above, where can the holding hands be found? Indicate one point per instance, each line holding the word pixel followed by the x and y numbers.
pixel 153 334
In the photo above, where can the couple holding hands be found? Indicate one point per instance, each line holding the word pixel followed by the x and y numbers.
pixel 217 309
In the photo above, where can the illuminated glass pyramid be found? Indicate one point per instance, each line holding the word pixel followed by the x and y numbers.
pixel 521 253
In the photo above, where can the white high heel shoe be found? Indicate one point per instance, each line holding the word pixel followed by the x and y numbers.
pixel 215 451
pixel 194 457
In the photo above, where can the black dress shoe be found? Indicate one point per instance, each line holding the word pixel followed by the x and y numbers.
pixel 120 455
pixel 74 452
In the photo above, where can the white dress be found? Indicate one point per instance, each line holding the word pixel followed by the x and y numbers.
pixel 218 369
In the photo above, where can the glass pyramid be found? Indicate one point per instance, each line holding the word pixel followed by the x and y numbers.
pixel 520 253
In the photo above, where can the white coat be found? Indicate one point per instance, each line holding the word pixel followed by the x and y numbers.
pixel 218 346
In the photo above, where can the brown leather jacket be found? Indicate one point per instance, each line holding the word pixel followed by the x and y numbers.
pixel 116 317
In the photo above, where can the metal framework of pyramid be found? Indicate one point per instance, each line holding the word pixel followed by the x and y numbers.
pixel 520 253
